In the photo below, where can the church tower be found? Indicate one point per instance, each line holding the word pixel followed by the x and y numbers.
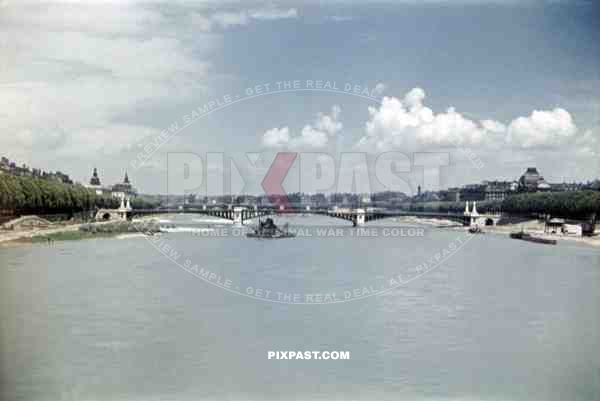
pixel 95 180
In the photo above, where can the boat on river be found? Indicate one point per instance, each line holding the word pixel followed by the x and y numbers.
pixel 528 237
pixel 268 229
pixel 475 230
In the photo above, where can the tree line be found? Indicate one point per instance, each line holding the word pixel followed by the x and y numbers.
pixel 576 204
pixel 452 207
pixel 581 205
pixel 30 195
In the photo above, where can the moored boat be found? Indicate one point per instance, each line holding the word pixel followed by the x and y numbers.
pixel 475 230
pixel 528 237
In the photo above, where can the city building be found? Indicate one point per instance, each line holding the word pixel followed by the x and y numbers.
pixel 486 191
pixel 95 181
pixel 499 190
pixel 451 195
pixel 472 192
pixel 532 181
pixel 123 190
pixel 96 185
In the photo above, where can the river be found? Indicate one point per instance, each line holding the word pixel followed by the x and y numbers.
pixel 117 319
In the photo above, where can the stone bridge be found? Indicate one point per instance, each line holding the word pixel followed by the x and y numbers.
pixel 122 213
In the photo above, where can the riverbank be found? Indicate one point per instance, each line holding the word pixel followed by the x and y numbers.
pixel 411 220
pixel 138 228
pixel 22 237
pixel 536 228
pixel 78 232
pixel 533 227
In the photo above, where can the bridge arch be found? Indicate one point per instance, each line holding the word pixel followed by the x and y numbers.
pixel 109 214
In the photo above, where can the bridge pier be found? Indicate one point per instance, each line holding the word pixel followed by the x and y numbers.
pixel 238 215
pixel 123 209
pixel 473 218
pixel 359 217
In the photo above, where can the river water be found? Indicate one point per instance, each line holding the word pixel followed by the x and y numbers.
pixel 116 319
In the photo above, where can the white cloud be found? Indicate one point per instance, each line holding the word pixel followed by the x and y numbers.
pixel 379 88
pixel 493 126
pixel 227 19
pixel 316 135
pixel 329 124
pixel 410 124
pixel 414 98
pixel 310 138
pixel 277 137
pixel 588 144
pixel 273 14
pixel 542 128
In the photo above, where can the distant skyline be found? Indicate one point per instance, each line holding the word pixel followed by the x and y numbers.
pixel 89 84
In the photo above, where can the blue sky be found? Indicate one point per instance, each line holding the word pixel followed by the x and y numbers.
pixel 86 84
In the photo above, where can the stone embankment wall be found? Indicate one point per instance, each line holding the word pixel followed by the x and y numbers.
pixel 26 223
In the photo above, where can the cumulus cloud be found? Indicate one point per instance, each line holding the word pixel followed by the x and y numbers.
pixel 379 88
pixel 542 128
pixel 493 126
pixel 410 124
pixel 329 124
pixel 277 137
pixel 316 135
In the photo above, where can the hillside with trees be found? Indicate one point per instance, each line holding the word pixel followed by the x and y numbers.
pixel 31 195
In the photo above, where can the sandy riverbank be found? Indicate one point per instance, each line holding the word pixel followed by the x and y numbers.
pixel 58 232
pixel 150 217
pixel 21 237
pixel 411 220
pixel 536 228
pixel 533 227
